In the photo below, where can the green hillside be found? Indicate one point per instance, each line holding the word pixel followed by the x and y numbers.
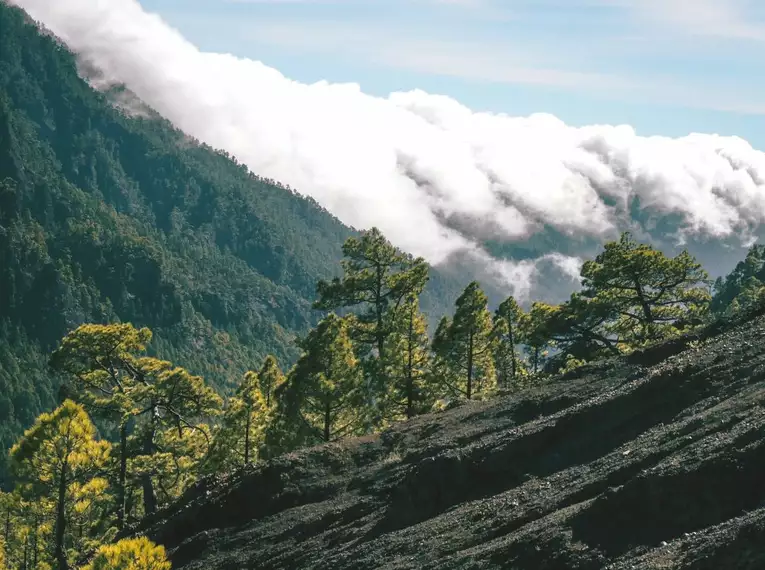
pixel 105 217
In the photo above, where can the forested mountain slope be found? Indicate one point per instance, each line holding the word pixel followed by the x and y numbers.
pixel 106 217
pixel 649 461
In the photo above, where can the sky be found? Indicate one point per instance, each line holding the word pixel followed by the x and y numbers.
pixel 668 67
pixel 507 141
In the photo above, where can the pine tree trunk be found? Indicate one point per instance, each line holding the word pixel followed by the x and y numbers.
pixel 247 439
pixel 59 552
pixel 122 479
pixel 35 545
pixel 410 371
pixel 327 419
pixel 513 363
pixel 149 497
pixel 470 367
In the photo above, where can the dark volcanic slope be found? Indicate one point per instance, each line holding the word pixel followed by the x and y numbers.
pixel 657 461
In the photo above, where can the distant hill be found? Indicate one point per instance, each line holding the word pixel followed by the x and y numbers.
pixel 107 215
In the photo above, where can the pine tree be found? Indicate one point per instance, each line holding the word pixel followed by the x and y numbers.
pixel 56 455
pixel 535 333
pixel 323 397
pixel 377 280
pixel 172 435
pixel 507 319
pixel 102 362
pixel 467 345
pixel 407 364
pixel 744 287
pixel 143 396
pixel 441 365
pixel 582 328
pixel 26 529
pixel 241 434
pixel 270 378
pixel 654 296
pixel 130 554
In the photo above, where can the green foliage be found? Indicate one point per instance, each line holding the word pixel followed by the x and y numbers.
pixel 323 399
pixel 581 327
pixel 652 296
pixel 157 408
pixel 130 554
pixel 56 461
pixel 270 378
pixel 377 279
pixel 25 531
pixel 241 435
pixel 743 288
pixel 506 337
pixel 465 345
pixel 406 362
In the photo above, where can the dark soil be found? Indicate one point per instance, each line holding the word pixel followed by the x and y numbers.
pixel 653 461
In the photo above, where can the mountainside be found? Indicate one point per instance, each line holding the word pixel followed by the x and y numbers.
pixel 109 217
pixel 650 461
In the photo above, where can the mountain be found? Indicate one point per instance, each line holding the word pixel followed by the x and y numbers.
pixel 650 461
pixel 108 213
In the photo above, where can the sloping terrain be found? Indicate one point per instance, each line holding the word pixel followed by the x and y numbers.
pixel 655 461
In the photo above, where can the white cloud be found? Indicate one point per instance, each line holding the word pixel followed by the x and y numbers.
pixel 438 178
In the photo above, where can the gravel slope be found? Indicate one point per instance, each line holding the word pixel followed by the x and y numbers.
pixel 653 461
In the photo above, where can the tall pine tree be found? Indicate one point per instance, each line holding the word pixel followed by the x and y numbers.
pixel 323 399
pixel 58 454
pixel 377 280
pixel 507 319
pixel 242 430
pixel 467 344
pixel 407 364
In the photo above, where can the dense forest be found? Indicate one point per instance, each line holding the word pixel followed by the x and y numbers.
pixel 106 217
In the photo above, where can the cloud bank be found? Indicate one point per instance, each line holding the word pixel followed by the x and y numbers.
pixel 517 199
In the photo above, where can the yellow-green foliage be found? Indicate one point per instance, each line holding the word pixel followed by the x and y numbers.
pixel 56 463
pixel 652 296
pixel 270 378
pixel 409 386
pixel 465 345
pixel 241 434
pixel 323 397
pixel 130 554
pixel 62 441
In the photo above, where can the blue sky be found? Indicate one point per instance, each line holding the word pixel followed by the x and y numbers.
pixel 665 67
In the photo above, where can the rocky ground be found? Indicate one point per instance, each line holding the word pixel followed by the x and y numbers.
pixel 653 461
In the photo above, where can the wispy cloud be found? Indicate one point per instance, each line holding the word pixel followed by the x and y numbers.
pixel 494 60
pixel 731 19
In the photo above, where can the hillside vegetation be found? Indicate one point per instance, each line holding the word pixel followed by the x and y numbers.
pixel 106 217
pixel 174 317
